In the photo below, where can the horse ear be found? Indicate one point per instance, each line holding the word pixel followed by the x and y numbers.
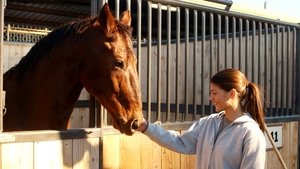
pixel 107 20
pixel 126 18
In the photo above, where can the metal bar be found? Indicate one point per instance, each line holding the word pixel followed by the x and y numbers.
pixel 266 64
pixel 297 75
pixel 297 78
pixel 177 60
pixel 247 48
pixel 203 25
pixel 211 45
pixel 240 43
pixel 128 4
pixel 139 34
pixel 168 60
pixel 272 71
pixel 186 62
pixel 219 43
pixel 277 70
pixel 233 40
pixel 149 54
pixel 117 9
pixel 294 62
pixel 195 64
pixel 259 53
pixel 159 25
pixel 101 120
pixel 253 50
pixel 282 71
pixel 101 3
pixel 226 40
pixel 288 66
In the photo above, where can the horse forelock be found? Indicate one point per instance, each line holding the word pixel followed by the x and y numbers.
pixel 49 43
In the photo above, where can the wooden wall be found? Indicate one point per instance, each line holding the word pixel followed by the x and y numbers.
pixel 48 150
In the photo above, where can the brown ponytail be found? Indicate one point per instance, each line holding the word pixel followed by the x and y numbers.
pixel 253 105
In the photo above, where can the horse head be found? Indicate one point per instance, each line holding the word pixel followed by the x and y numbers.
pixel 109 70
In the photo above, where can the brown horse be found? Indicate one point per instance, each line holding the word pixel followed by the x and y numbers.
pixel 95 53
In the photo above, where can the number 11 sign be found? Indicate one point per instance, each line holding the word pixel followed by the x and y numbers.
pixel 276 133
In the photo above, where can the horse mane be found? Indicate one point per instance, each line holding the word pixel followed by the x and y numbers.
pixel 47 44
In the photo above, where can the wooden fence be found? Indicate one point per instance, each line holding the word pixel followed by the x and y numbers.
pixel 78 149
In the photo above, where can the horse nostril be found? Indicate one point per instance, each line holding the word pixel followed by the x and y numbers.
pixel 134 125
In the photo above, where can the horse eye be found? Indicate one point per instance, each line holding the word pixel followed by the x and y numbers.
pixel 119 64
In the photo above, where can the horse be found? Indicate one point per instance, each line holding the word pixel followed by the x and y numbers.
pixel 95 53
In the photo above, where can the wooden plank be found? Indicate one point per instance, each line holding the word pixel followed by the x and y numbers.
pixel 95 152
pixel 67 154
pixel 170 159
pixel 187 161
pixel 17 156
pixel 48 155
pixel 271 160
pixel 285 143
pixel 86 153
pixel 130 153
pixel 79 118
pixel 293 142
pixel 111 151
pixel 150 154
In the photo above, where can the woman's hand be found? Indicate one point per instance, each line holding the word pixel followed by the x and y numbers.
pixel 143 126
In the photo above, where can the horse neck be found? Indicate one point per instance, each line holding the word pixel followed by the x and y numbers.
pixel 52 88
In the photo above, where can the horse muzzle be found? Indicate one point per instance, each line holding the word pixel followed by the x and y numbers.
pixel 128 128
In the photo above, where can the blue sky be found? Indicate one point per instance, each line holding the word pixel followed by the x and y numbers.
pixel 287 7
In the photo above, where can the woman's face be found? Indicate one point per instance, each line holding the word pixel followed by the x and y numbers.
pixel 219 98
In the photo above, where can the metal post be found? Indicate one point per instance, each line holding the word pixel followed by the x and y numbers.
pixel 298 71
pixel 297 100
pixel 2 7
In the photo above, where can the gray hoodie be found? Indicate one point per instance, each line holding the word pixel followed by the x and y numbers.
pixel 240 145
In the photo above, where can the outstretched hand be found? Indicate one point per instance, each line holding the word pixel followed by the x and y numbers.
pixel 143 126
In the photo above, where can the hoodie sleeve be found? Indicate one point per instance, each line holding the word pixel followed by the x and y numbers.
pixel 254 152
pixel 184 143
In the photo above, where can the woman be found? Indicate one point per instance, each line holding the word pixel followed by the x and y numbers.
pixel 230 139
